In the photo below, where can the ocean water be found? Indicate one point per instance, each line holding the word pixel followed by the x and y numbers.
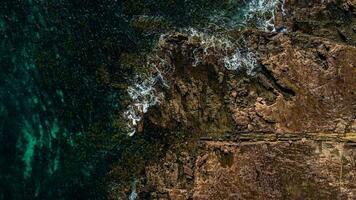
pixel 31 134
pixel 50 97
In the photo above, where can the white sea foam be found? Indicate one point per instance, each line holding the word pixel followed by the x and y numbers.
pixel 143 93
pixel 143 96
pixel 229 53
pixel 261 13
pixel 283 3
pixel 240 61
pixel 133 194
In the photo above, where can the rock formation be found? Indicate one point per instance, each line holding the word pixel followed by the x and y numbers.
pixel 277 121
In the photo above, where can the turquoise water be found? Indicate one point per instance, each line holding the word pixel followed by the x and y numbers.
pixel 30 131
pixel 46 102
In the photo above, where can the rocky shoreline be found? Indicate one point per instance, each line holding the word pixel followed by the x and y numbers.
pixel 286 129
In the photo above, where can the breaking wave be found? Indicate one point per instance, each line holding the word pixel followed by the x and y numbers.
pixel 143 93
pixel 240 61
pixel 231 55
pixel 261 13
pixel 258 14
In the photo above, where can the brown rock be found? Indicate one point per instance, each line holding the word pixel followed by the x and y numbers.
pixel 303 169
pixel 287 132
